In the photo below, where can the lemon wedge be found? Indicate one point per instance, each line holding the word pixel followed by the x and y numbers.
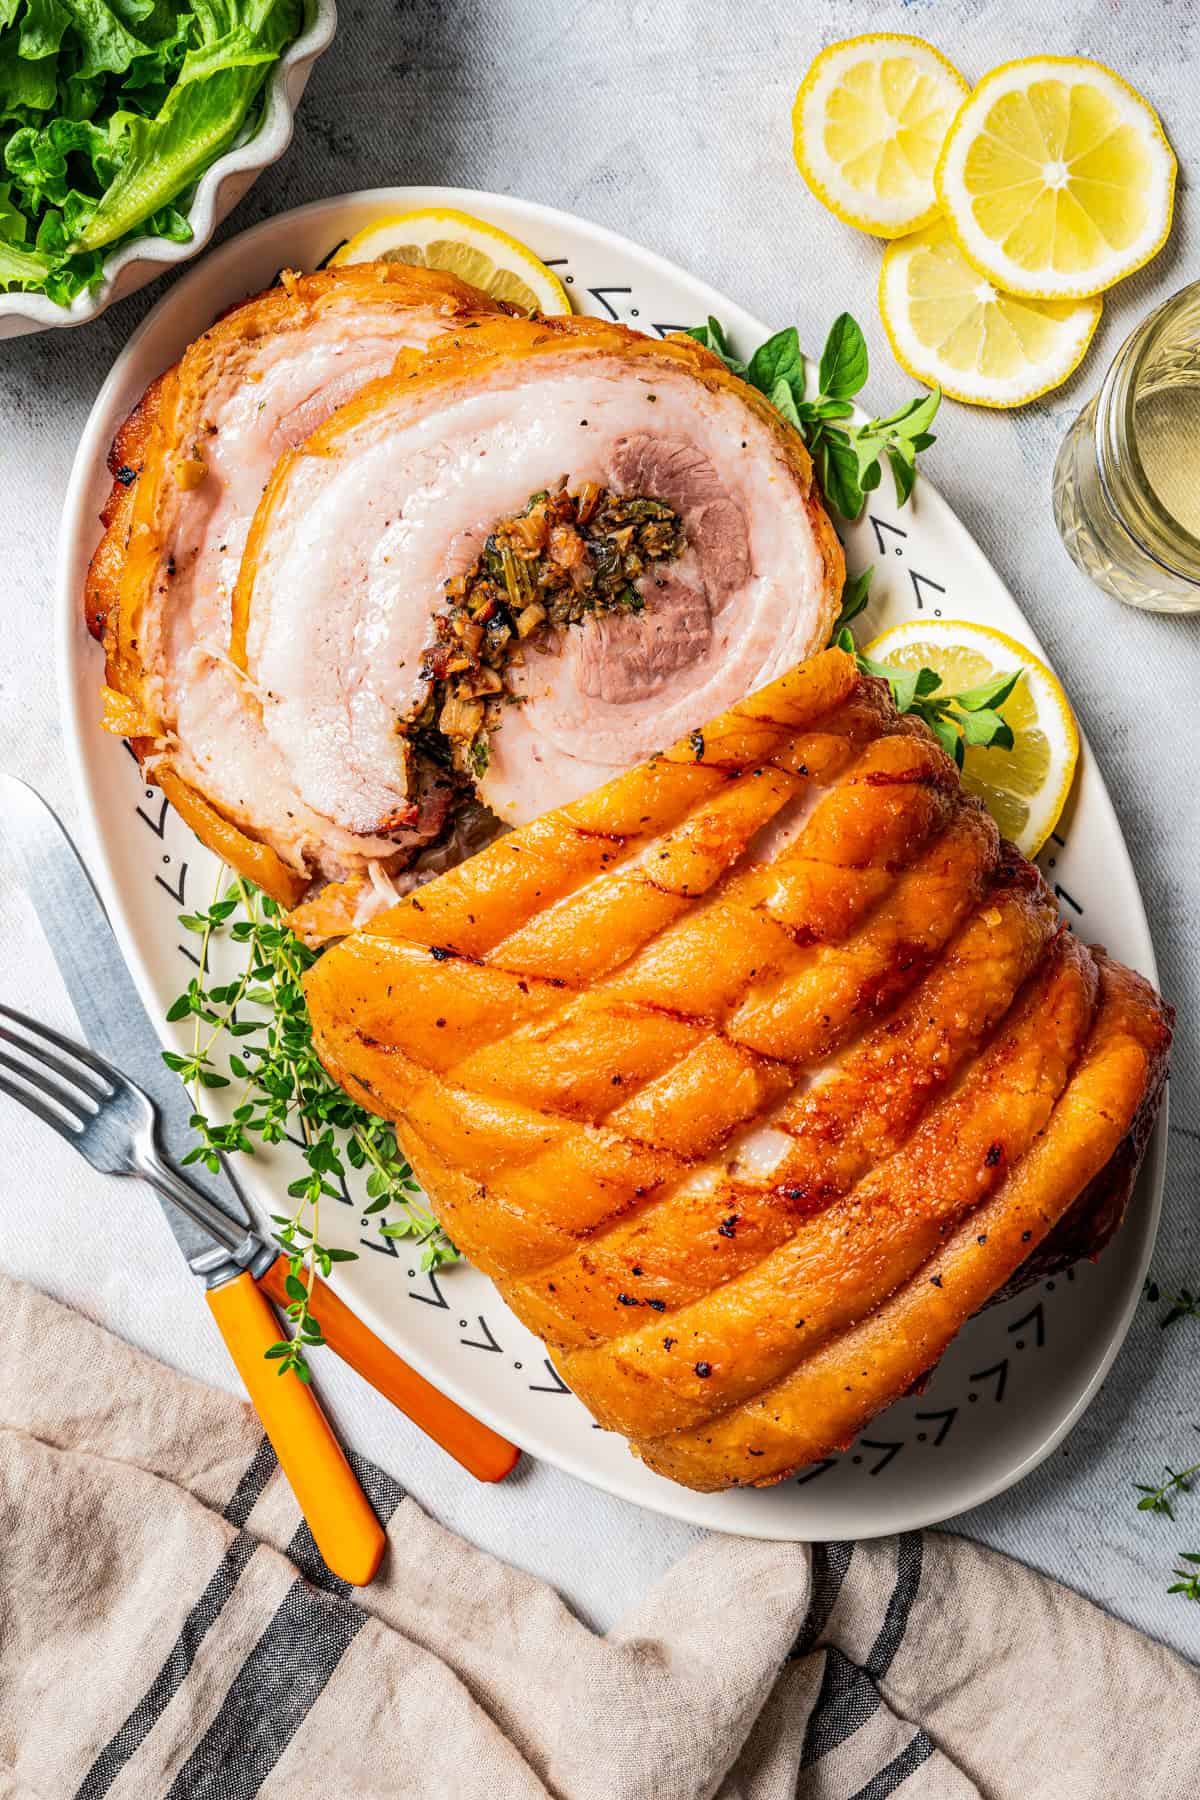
pixel 1025 788
pixel 868 124
pixel 952 328
pixel 439 237
pixel 1056 178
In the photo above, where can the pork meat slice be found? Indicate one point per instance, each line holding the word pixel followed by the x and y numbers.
pixel 364 525
pixel 189 468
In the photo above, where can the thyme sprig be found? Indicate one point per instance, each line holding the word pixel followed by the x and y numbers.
pixel 1187 1581
pixel 1183 1305
pixel 848 459
pixel 258 1019
pixel 1160 1499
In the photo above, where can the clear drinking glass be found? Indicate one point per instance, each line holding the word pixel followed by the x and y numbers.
pixel 1127 479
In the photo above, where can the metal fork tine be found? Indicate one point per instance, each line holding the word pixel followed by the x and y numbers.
pixel 68 1127
pixel 81 1085
pixel 110 1078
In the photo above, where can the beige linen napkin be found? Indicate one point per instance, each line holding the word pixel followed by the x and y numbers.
pixel 168 1632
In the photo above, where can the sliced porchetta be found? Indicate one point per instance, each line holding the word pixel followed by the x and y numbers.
pixel 189 467
pixel 363 527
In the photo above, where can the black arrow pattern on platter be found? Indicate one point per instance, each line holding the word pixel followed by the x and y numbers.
pixel 176 893
pixel 599 293
pixel 474 1344
pixel 1000 1371
pixel 890 1450
pixel 385 1247
pixel 1060 893
pixel 828 1462
pixel 916 580
pixel 880 526
pixel 159 828
pixel 132 752
pixel 947 1419
pixel 559 1385
pixel 666 330
pixel 190 954
pixel 437 1298
pixel 1037 1319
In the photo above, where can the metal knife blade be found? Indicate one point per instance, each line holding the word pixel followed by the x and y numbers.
pixel 102 991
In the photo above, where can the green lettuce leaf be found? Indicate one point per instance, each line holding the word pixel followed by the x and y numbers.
pixel 42 29
pixel 110 111
pixel 199 119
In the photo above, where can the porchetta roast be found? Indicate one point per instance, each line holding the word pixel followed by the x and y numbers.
pixel 749 1069
pixel 379 553
pixel 750 1075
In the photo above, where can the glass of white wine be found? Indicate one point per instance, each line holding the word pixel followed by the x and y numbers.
pixel 1127 479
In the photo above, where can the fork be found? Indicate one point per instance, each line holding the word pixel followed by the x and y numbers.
pixel 113 1125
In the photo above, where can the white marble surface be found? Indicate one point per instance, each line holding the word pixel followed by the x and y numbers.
pixel 671 123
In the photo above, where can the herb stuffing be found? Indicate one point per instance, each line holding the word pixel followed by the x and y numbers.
pixel 566 557
pixel 110 111
pixel 260 1020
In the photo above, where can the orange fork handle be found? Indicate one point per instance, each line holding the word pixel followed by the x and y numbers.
pixel 479 1449
pixel 346 1531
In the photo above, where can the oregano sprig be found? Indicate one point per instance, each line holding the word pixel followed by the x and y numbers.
pixel 848 459
pixel 970 717
pixel 287 1093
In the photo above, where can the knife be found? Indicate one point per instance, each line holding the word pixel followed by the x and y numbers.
pixel 115 1023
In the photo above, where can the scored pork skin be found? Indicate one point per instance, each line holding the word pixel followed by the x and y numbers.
pixel 751 1076
pixel 188 468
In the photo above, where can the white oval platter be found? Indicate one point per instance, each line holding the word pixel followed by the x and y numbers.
pixel 1019 1376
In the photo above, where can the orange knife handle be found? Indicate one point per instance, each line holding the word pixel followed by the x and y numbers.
pixel 482 1451
pixel 346 1531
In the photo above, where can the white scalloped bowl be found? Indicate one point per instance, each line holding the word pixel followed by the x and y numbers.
pixel 217 193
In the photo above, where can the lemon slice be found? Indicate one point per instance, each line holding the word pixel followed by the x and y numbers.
pixel 951 328
pixel 1056 178
pixel 868 124
pixel 438 237
pixel 1025 788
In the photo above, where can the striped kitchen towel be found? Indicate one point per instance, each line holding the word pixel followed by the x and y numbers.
pixel 168 1632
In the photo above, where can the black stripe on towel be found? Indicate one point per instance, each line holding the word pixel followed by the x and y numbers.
pixel 829 1565
pixel 286 1672
pixel 249 1490
pixel 848 1695
pixel 271 1695
pixel 848 1698
pixel 918 1750
pixel 171 1676
pixel 909 1558
pixel 385 1495
pixel 154 1702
